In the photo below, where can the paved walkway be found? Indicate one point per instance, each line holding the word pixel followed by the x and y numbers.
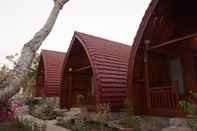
pixel 51 127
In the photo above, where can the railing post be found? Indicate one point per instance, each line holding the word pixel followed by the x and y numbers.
pixel 175 84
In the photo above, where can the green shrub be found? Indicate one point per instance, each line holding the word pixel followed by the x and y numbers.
pixel 187 107
pixel 130 120
pixel 21 125
pixel 191 110
pixel 103 114
pixel 194 94
pixel 128 109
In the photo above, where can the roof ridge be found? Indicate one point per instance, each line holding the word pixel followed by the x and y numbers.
pixel 45 50
pixel 80 34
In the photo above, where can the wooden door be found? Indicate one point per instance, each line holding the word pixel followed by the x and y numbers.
pixel 81 85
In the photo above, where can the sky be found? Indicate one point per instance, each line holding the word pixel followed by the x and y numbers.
pixel 116 20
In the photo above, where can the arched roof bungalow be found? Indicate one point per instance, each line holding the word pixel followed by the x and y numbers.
pixel 95 68
pixel 163 60
pixel 49 75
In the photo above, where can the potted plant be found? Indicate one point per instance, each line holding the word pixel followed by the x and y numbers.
pixel 189 105
pixel 190 111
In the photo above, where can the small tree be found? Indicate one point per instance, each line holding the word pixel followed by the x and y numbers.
pixel 4 71
pixel 103 114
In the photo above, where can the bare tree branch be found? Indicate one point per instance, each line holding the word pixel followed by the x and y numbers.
pixel 28 52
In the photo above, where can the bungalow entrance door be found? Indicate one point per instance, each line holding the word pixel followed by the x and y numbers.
pixel 164 96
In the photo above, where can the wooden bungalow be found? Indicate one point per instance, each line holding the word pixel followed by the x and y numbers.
pixel 49 75
pixel 95 68
pixel 163 60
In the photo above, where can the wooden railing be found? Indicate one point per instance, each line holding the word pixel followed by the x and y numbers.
pixel 164 97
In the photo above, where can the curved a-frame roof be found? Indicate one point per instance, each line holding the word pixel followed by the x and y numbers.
pixel 50 65
pixel 109 63
pixel 164 20
pixel 136 46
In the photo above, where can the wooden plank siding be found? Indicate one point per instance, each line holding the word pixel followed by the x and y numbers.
pixel 109 67
pixel 49 76
pixel 166 38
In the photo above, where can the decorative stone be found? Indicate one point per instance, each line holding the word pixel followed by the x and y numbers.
pixel 60 112
pixel 24 110
pixel 76 112
pixel 178 122
pixel 152 123
pixel 40 123
pixel 75 115
pixel 54 101
pixel 44 108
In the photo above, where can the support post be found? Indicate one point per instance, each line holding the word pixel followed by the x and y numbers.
pixel 146 73
pixel 69 87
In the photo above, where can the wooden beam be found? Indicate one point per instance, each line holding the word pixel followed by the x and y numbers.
pixel 173 41
pixel 81 68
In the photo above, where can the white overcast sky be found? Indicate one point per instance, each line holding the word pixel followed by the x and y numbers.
pixel 117 20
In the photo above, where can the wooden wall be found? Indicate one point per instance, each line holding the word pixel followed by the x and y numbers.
pixel 188 65
pixel 77 83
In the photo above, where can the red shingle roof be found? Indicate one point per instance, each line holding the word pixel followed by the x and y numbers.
pixel 51 63
pixel 109 62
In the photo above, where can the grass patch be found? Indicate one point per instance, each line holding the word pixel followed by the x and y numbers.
pixel 17 125
pixel 87 126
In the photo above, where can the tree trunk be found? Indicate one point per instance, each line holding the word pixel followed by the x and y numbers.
pixel 28 52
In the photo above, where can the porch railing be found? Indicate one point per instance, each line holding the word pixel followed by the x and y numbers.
pixel 164 97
